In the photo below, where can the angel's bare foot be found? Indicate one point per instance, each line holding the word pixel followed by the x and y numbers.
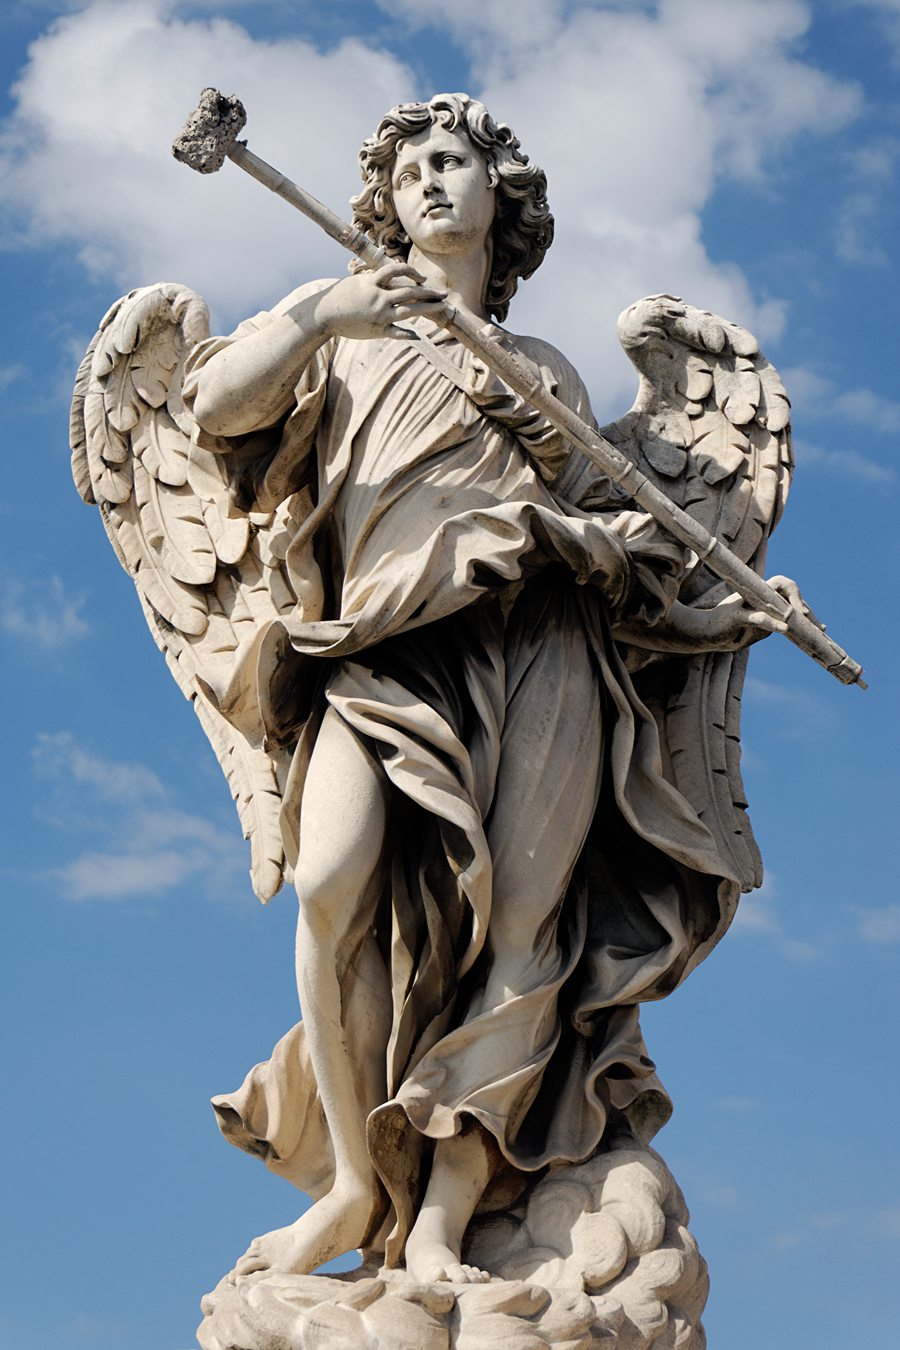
pixel 432 1257
pixel 335 1224
pixel 459 1172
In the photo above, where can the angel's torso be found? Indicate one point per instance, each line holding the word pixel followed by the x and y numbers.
pixel 421 452
pixel 432 496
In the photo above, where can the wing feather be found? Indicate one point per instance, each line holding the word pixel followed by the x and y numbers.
pixel 81 469
pixel 107 452
pixel 121 402
pixel 230 535
pixel 207 575
pixel 173 526
pixel 254 786
pixel 710 426
pixel 152 376
pixel 159 444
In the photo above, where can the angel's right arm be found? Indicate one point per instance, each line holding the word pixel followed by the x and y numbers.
pixel 250 383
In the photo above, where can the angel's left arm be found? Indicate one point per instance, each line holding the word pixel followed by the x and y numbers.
pixel 727 626
pixel 684 630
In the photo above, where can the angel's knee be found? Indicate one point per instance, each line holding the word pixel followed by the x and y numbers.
pixel 338 878
pixel 342 829
pixel 335 899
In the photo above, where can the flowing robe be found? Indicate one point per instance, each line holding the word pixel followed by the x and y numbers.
pixel 456 588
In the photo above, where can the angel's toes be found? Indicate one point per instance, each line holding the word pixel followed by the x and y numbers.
pixel 460 1274
pixel 252 1260
pixel 475 1275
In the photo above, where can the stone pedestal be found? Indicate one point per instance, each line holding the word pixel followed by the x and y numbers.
pixel 595 1255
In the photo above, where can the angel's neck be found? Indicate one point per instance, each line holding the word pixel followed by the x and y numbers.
pixel 464 276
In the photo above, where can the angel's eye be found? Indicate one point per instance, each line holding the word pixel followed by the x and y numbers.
pixel 404 179
pixel 450 160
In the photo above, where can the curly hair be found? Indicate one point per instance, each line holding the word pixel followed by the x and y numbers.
pixel 523 226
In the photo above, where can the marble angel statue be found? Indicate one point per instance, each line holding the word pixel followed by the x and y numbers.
pixel 470 699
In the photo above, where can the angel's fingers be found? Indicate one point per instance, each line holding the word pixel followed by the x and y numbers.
pixel 811 614
pixel 387 276
pixel 405 310
pixel 758 618
pixel 418 295
pixel 788 588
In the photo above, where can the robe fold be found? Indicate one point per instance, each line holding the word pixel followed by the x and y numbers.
pixel 457 574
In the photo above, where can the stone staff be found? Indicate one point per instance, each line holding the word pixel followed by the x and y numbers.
pixel 210 135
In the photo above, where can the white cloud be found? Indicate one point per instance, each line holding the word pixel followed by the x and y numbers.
pixel 740 1105
pixel 99 1329
pixel 809 391
pixel 791 713
pixel 877 161
pixel 887 1222
pixel 41 613
pixel 835 1218
pixel 860 1225
pixel 140 843
pixel 871 169
pixel 865 407
pixel 722 1197
pixel 85 157
pixel 757 915
pixel 880 925
pixel 858 214
pixel 818 397
pixel 847 463
pixel 60 757
pixel 112 876
pixel 9 374
pixel 636 111
pixel 887 13
pixel 480 25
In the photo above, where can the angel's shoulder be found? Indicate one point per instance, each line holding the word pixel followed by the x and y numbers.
pixel 254 322
pixel 560 375
pixel 304 292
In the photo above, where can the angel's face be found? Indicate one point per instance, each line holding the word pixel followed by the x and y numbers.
pixel 443 192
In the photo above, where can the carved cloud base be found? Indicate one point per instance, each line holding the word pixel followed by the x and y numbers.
pixel 599 1254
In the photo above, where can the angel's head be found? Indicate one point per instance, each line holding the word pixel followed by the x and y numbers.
pixel 521 226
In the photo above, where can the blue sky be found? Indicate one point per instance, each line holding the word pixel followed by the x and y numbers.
pixel 741 153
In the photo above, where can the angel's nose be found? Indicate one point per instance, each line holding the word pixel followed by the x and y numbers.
pixel 431 180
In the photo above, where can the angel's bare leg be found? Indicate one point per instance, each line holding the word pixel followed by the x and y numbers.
pixel 544 802
pixel 459 1173
pixel 338 883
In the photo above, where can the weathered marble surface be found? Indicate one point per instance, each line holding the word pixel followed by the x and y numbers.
pixel 600 1255
pixel 484 713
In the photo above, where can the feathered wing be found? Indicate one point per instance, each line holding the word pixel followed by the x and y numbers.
pixel 711 428
pixel 208 575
